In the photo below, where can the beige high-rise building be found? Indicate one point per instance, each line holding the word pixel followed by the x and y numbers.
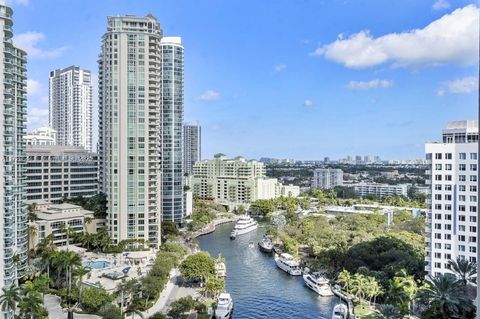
pixel 130 125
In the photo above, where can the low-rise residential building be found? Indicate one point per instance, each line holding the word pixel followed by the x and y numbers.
pixel 41 136
pixel 235 182
pixel 326 178
pixel 364 189
pixel 58 171
pixel 56 219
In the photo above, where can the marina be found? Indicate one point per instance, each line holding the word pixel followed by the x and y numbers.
pixel 257 286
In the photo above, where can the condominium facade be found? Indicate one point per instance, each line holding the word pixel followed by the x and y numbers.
pixel 451 230
pixel 235 182
pixel 130 106
pixel 41 136
pixel 192 146
pixel 70 106
pixel 58 171
pixel 171 122
pixel 326 178
pixel 13 224
pixel 365 189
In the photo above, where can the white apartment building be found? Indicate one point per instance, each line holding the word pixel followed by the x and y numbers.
pixel 452 221
pixel 235 182
pixel 326 178
pixel 70 106
pixel 171 126
pixel 130 127
pixel 41 136
pixel 13 223
pixel 364 189
pixel 58 171
pixel 192 146
pixel 55 219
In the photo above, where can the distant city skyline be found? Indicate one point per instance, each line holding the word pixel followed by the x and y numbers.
pixel 294 81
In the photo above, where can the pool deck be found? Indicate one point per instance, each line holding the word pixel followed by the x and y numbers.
pixel 139 262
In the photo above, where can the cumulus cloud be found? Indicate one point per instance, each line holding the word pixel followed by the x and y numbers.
pixel 465 85
pixel 20 2
pixel 440 5
pixel 308 102
pixel 33 87
pixel 367 85
pixel 37 116
pixel 280 67
pixel 209 95
pixel 29 41
pixel 452 39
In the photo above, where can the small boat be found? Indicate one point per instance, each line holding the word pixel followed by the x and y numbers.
pixel 224 307
pixel 287 263
pixel 233 234
pixel 220 270
pixel 266 244
pixel 340 311
pixel 318 283
pixel 245 224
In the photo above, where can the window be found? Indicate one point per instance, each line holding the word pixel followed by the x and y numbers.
pixel 473 156
pixel 448 156
pixel 462 156
pixel 462 167
pixel 473 178
pixel 473 167
pixel 438 156
pixel 438 167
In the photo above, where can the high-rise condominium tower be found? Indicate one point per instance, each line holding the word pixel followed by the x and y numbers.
pixel 13 223
pixel 172 128
pixel 192 146
pixel 70 104
pixel 451 231
pixel 130 125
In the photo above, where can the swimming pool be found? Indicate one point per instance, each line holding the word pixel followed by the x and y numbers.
pixel 97 264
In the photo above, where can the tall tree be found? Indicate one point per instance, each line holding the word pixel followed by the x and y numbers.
pixel 10 298
pixel 464 269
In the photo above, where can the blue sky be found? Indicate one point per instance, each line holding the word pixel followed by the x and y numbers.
pixel 287 78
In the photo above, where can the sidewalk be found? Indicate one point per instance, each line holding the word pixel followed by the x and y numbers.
pixel 165 294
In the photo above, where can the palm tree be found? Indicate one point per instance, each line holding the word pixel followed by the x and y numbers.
pixel 345 279
pixel 388 312
pixel 464 269
pixel 9 298
pixel 135 308
pixel 31 305
pixel 32 215
pixel 445 296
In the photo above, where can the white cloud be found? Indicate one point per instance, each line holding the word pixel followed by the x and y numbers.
pixel 280 67
pixel 29 42
pixel 33 87
pixel 308 102
pixel 367 85
pixel 20 2
pixel 441 4
pixel 209 95
pixel 465 85
pixel 452 39
pixel 37 116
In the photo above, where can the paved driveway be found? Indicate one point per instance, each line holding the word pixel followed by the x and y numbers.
pixel 52 303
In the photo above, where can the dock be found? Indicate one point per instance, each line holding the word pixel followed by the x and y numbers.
pixel 348 301
pixel 210 227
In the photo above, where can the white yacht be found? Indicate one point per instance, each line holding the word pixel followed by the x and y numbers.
pixel 244 225
pixel 340 311
pixel 287 263
pixel 318 283
pixel 224 307
pixel 266 244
